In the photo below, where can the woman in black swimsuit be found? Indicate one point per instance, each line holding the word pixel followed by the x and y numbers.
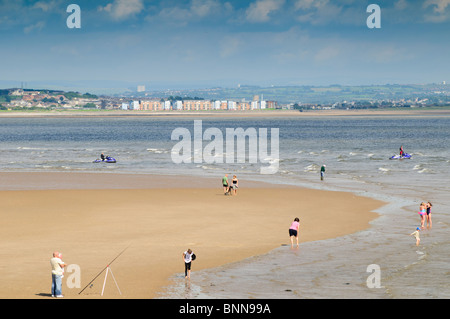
pixel 429 214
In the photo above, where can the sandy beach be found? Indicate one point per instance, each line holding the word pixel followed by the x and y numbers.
pixel 155 218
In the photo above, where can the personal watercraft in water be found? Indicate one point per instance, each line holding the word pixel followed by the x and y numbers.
pixel 108 159
pixel 404 156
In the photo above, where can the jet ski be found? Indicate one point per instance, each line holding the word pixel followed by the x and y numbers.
pixel 404 156
pixel 108 159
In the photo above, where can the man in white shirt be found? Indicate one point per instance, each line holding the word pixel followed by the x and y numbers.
pixel 57 273
pixel 187 258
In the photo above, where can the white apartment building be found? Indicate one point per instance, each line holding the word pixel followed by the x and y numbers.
pixel 231 105
pixel 134 105
pixel 178 105
pixel 262 105
pixel 167 105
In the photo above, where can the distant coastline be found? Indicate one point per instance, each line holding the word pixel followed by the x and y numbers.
pixel 226 114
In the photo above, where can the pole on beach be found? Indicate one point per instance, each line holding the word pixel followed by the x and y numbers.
pixel 106 276
pixel 106 268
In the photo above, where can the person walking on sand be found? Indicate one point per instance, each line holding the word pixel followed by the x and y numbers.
pixel 422 212
pixel 225 184
pixel 294 230
pixel 57 273
pixel 429 205
pixel 188 256
pixel 235 185
pixel 416 234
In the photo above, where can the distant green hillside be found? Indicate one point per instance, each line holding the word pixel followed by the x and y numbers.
pixel 325 94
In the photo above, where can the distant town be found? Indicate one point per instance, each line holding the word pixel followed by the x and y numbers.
pixel 241 98
pixel 21 99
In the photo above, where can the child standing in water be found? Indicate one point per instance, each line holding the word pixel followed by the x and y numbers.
pixel 416 234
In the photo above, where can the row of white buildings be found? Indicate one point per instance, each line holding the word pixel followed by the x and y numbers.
pixel 196 105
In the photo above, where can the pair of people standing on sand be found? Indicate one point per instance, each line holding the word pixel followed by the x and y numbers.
pixel 230 189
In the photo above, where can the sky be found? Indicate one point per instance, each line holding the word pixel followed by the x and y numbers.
pixel 210 43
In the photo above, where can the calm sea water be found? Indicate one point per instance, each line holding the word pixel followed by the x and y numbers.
pixel 356 151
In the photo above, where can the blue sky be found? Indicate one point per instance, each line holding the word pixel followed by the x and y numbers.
pixel 207 43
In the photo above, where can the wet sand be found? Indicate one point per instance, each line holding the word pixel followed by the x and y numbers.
pixel 91 218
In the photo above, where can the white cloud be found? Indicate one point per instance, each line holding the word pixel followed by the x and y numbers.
pixel 17 14
pixel 440 11
pixel 259 11
pixel 123 9
pixel 319 12
pixel 203 8
pixel 308 4
pixel 439 5
pixel 47 6
pixel 37 26
pixel 195 10
pixel 401 5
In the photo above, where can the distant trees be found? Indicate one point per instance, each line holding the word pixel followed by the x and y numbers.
pixel 186 98
pixel 298 107
pixel 71 95
pixel 49 100
pixel 90 106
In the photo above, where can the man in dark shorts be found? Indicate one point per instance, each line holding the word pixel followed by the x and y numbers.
pixel 187 258
pixel 294 230
pixel 225 184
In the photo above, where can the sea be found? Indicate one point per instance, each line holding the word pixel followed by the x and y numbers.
pixel 379 262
